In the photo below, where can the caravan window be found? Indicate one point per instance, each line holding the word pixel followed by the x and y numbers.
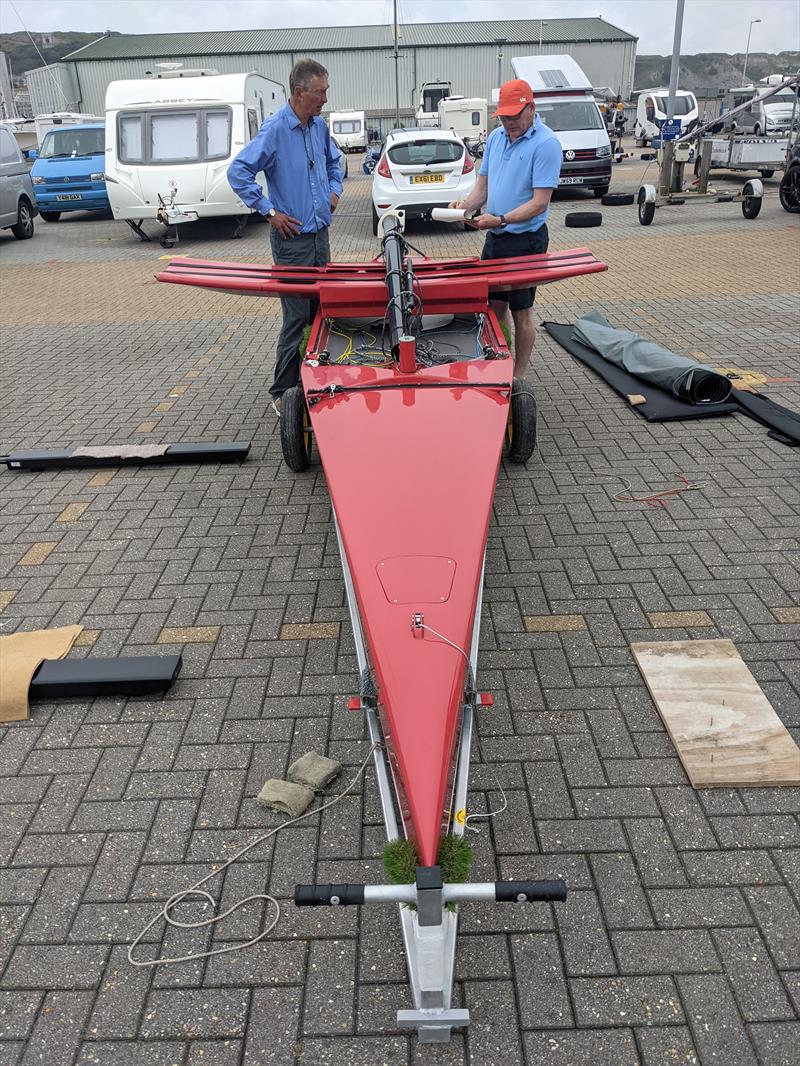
pixel 157 137
pixel 173 138
pixel 431 98
pixel 252 123
pixel 683 104
pixel 350 125
pixel 476 118
pixel 131 140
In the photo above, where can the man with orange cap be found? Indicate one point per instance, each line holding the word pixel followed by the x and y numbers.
pixel 520 169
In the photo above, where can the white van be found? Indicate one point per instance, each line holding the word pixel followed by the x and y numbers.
pixel 565 102
pixel 467 117
pixel 170 140
pixel 350 130
pixel 431 92
pixel 651 113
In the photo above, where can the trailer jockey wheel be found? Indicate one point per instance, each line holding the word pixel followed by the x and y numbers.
pixel 295 426
pixel 521 429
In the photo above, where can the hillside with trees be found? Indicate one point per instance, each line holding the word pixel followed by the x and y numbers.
pixel 713 72
pixel 22 55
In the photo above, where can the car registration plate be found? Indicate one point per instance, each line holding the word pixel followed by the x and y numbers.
pixel 69 196
pixel 570 181
pixel 426 179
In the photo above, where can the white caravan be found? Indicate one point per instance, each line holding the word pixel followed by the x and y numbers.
pixel 651 113
pixel 465 116
pixel 565 102
pixel 170 140
pixel 44 123
pixel 350 130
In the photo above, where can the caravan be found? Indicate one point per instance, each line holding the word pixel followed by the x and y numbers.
pixel 350 130
pixel 651 113
pixel 431 93
pixel 565 102
pixel 170 141
pixel 465 116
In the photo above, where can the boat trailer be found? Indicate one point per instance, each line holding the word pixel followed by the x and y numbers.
pixel 407 390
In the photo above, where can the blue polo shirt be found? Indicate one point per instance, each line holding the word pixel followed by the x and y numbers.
pixel 283 151
pixel 515 170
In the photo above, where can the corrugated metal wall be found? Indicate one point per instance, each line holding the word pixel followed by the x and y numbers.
pixel 362 79
pixel 55 88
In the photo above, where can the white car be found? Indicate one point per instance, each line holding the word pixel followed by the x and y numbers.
pixel 420 169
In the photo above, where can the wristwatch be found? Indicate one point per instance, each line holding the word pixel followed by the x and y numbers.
pixel 502 220
pixel 271 213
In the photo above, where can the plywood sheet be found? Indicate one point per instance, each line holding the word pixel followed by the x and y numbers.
pixel 723 726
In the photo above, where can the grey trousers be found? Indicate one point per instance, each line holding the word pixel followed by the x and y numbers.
pixel 307 249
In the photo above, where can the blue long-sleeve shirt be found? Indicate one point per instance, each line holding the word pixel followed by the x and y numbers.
pixel 284 151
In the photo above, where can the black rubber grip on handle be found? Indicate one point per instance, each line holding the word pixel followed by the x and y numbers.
pixel 530 891
pixel 328 895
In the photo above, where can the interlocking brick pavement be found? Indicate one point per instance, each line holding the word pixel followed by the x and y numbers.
pixel 679 942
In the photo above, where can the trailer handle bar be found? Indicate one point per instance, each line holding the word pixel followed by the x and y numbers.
pixel 554 891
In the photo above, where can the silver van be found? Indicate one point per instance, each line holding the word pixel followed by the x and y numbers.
pixel 17 201
pixel 752 120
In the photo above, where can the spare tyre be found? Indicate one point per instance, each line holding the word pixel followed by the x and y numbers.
pixel 618 199
pixel 583 219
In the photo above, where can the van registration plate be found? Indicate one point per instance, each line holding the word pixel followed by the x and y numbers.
pixel 426 179
pixel 69 196
pixel 570 181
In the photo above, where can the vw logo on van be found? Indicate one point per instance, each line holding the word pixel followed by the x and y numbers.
pixel 569 154
pixel 66 179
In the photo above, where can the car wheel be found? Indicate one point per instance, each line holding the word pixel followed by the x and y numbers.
pixel 295 430
pixel 647 211
pixel 756 130
pixel 374 221
pixel 521 430
pixel 789 190
pixel 618 199
pixel 50 216
pixel 24 225
pixel 583 219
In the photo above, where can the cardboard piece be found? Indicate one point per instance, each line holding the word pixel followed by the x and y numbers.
pixel 721 723
pixel 21 655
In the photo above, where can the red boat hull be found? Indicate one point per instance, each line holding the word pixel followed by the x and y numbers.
pixel 412 470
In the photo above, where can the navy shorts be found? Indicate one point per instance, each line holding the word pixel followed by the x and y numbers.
pixel 508 246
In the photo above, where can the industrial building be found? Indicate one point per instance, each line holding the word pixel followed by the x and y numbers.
pixel 475 57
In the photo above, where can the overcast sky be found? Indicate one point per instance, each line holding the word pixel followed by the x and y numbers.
pixel 709 25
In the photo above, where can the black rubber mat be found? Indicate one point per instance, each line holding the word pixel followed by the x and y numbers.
pixel 658 406
pixel 783 423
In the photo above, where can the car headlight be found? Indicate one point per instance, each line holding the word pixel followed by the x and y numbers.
pixel 97 177
pixel 604 149
pixel 37 180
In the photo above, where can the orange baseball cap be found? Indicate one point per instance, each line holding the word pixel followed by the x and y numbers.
pixel 514 95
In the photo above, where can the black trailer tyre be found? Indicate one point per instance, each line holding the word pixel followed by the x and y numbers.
pixel 789 190
pixel 295 430
pixel 521 430
pixel 618 199
pixel 751 205
pixel 23 228
pixel 50 216
pixel 583 219
pixel 647 211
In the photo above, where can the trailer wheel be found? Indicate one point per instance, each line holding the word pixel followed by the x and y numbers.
pixel 374 221
pixel 295 430
pixel 521 429
pixel 647 211
pixel 789 190
pixel 583 219
pixel 766 173
pixel 618 199
pixel 751 205
pixel 50 216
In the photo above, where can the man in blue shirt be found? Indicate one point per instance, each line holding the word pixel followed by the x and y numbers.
pixel 293 149
pixel 520 169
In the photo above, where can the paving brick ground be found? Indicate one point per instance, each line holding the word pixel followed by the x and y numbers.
pixel 680 942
